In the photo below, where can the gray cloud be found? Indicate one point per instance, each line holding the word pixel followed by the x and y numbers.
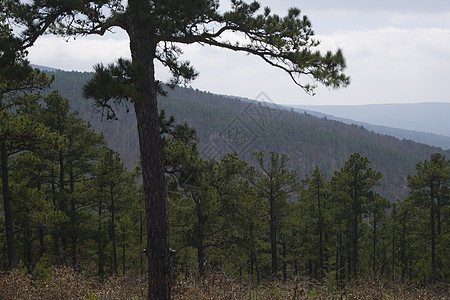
pixel 393 56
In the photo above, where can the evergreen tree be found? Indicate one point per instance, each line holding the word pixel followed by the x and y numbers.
pixel 155 28
pixel 315 211
pixel 18 133
pixel 274 183
pixel 430 190
pixel 116 187
pixel 352 185
pixel 73 162
pixel 377 208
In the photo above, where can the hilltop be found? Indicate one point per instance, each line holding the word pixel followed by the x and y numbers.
pixel 226 124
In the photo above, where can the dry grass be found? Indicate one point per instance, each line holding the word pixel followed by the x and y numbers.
pixel 64 283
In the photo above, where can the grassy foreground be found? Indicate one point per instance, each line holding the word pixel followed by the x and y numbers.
pixel 65 284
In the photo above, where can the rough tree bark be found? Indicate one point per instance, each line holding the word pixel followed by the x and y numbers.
pixel 146 108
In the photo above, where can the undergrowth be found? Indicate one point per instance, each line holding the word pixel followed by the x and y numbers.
pixel 66 284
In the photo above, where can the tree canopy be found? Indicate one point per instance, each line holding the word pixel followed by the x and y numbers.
pixel 156 28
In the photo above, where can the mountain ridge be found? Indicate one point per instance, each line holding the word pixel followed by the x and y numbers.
pixel 427 138
pixel 227 124
pixel 429 117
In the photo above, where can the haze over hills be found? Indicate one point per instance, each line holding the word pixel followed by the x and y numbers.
pixel 427 123
pixel 226 124
pixel 432 117
pixel 428 138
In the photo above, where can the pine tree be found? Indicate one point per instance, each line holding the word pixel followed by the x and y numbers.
pixel 315 211
pixel 430 190
pixel 352 186
pixel 274 183
pixel 155 28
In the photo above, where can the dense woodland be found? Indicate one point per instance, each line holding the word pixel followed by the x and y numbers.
pixel 308 141
pixel 253 190
pixel 244 189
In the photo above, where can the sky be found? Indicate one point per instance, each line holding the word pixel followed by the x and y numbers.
pixel 397 51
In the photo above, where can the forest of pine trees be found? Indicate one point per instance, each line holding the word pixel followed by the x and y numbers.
pixel 67 199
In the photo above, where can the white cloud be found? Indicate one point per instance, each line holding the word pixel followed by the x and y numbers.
pixel 77 54
pixel 419 20
pixel 386 64
pixel 391 64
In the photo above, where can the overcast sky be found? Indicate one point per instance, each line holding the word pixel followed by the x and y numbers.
pixel 397 51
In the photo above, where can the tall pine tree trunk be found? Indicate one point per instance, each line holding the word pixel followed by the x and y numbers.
pixel 433 238
pixel 320 229
pixel 355 236
pixel 403 258
pixel 200 238
pixel 73 231
pixel 374 245
pixel 273 237
pixel 100 241
pixel 143 48
pixel 284 262
pixel 123 251
pixel 113 230
pixel 11 249
pixel 63 208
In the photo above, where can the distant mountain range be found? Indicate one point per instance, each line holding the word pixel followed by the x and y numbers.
pixel 227 124
pixel 427 123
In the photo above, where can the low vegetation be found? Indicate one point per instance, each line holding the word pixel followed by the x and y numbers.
pixel 64 283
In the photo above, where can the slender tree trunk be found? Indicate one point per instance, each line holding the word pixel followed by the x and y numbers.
pixel 62 207
pixel 310 268
pixel 296 265
pixel 320 225
pixel 341 261
pixel 40 227
pixel 143 48
pixel 256 267
pixel 393 247
pixel 27 242
pixel 284 262
pixel 73 231
pixel 337 268
pixel 41 240
pixel 11 249
pixel 252 265
pixel 55 231
pixel 438 214
pixel 403 248
pixel 123 251
pixel 327 255
pixel 101 271
pixel 374 244
pixel 349 257
pixel 433 239
pixel 200 238
pixel 141 243
pixel 273 237
pixel 355 244
pixel 113 230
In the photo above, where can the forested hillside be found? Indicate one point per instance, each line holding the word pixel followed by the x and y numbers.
pixel 69 201
pixel 422 137
pixel 224 125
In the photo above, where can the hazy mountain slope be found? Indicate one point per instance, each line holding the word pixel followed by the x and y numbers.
pixel 425 117
pixel 225 124
pixel 428 138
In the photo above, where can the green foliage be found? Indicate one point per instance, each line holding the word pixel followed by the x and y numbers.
pixel 91 296
pixel 224 214
pixel 42 270
pixel 430 194
pixel 307 140
pixel 220 211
